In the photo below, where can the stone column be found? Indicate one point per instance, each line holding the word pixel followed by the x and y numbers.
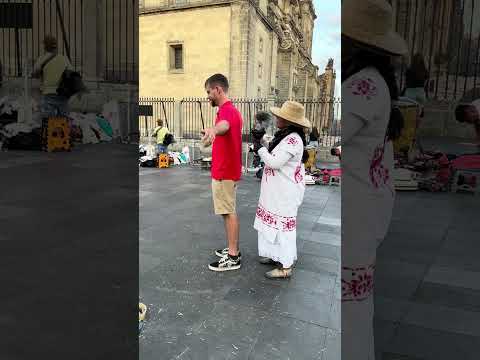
pixel 285 73
pixel 93 40
pixel 239 43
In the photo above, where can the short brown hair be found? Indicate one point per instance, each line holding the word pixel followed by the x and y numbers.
pixel 217 80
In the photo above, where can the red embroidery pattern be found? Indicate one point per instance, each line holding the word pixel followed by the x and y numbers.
pixel 379 174
pixel 364 87
pixel 289 224
pixel 357 283
pixel 298 174
pixel 292 141
pixel 276 221
pixel 268 171
pixel 267 217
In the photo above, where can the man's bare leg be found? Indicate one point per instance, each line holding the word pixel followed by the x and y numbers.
pixel 232 229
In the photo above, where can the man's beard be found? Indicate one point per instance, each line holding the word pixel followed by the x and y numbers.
pixel 213 103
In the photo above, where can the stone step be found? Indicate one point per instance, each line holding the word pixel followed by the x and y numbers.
pixel 439 120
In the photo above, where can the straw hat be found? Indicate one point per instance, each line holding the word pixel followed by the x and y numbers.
pixel 371 22
pixel 293 112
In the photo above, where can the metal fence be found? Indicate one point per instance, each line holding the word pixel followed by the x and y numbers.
pixel 447 34
pixel 198 114
pixel 162 108
pixel 121 42
pixel 187 117
pixel 21 36
pixel 24 25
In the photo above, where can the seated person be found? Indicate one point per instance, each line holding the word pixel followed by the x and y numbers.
pixel 470 114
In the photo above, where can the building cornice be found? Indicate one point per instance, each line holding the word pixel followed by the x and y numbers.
pixel 266 21
pixel 212 3
pixel 170 8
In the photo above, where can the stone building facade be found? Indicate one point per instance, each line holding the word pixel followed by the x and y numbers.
pixel 264 47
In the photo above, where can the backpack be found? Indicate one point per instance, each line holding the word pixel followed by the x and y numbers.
pixel 168 140
pixel 71 83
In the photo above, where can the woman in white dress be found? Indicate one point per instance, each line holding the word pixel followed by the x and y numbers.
pixel 370 121
pixel 282 189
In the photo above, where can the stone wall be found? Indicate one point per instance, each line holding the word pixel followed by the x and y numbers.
pixel 284 73
pixel 253 70
pixel 238 49
pixel 262 55
pixel 204 55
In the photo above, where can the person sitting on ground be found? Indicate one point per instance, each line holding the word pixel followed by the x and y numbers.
pixel 282 189
pixel 160 132
pixel 470 114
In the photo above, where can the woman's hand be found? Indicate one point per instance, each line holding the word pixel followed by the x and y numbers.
pixel 265 141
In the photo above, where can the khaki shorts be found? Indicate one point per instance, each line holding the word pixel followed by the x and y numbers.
pixel 224 194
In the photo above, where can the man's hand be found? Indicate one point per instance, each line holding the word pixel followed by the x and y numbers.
pixel 208 136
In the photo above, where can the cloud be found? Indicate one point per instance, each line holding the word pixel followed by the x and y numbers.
pixel 327 36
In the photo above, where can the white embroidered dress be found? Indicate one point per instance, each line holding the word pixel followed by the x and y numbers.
pixel 367 201
pixel 281 194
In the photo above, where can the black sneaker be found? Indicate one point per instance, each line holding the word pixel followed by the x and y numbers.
pixel 226 263
pixel 223 252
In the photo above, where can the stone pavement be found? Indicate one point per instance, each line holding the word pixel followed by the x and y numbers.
pixel 194 313
pixel 427 299
pixel 67 221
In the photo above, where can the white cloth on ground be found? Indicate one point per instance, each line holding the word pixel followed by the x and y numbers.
pixel 111 112
pixel 13 129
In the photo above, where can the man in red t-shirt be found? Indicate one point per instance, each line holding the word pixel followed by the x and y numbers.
pixel 226 137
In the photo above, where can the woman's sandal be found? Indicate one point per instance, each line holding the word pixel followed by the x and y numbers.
pixel 142 311
pixel 279 273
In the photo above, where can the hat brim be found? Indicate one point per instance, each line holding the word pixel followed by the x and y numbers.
pixel 303 122
pixel 391 42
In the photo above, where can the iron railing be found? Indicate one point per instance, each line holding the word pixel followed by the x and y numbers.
pixel 25 42
pixel 162 108
pixel 117 38
pixel 324 114
pixel 197 114
pixel 443 32
pixel 121 40
pixel 187 117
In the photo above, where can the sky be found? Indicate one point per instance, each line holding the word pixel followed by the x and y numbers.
pixel 326 36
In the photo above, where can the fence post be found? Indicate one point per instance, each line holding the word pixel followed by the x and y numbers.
pixel 129 114
pixel 27 108
pixel 178 128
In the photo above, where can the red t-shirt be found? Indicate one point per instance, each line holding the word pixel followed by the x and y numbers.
pixel 227 149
